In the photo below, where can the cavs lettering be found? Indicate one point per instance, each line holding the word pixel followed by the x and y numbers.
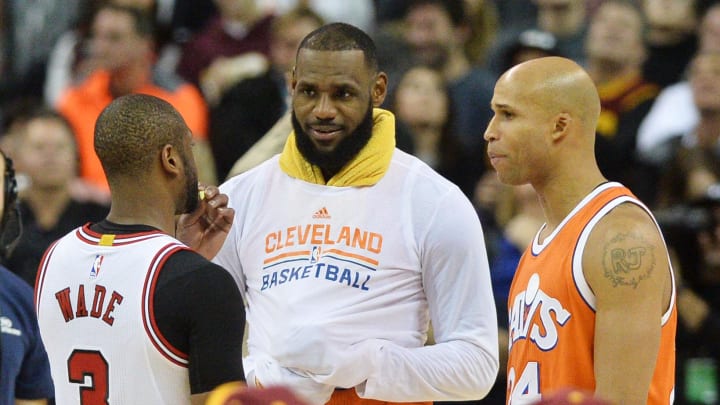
pixel 344 255
pixel 536 316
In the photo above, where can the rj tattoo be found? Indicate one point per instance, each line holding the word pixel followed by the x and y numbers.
pixel 628 260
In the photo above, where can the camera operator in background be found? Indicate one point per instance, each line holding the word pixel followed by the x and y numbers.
pixel 688 210
pixel 692 230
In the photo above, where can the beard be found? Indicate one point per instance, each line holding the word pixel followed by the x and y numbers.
pixel 192 201
pixel 332 162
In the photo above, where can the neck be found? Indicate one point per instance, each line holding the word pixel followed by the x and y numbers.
pixel 603 71
pixel 561 195
pixel 142 204
pixel 457 65
pixel 666 37
pixel 708 129
pixel 126 80
pixel 47 204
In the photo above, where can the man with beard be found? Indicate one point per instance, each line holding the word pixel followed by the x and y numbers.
pixel 346 249
pixel 129 314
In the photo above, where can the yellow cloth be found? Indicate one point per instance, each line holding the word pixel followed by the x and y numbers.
pixel 365 169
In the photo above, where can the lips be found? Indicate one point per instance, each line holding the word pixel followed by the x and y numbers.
pixel 324 133
pixel 495 157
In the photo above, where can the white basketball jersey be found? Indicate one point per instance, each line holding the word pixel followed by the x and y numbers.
pixel 94 303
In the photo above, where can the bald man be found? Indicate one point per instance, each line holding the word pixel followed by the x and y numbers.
pixel 592 302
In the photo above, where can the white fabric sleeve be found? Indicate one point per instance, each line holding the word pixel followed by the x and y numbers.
pixel 673 113
pixel 463 363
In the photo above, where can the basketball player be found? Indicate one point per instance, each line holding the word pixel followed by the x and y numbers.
pixel 346 248
pixel 129 314
pixel 592 302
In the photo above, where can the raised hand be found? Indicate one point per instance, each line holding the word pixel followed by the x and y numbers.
pixel 206 228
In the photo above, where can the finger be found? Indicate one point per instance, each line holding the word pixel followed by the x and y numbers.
pixel 218 201
pixel 224 219
pixel 211 192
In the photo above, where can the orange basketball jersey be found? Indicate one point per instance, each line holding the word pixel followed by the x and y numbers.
pixel 552 311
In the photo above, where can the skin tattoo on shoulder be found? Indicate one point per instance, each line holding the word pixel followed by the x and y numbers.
pixel 628 259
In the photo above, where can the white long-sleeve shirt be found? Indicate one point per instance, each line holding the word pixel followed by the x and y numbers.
pixel 341 283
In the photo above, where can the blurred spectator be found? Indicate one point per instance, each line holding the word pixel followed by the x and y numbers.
pixel 513 13
pixel 530 44
pixel 691 160
pixel 360 13
pixel 70 60
pixel 249 108
pixel 565 19
pixel 46 160
pixel 671 38
pixel 435 33
pixel 29 31
pixel 693 233
pixel 615 52
pixel 422 104
pixel 674 112
pixel 122 43
pixel 24 369
pixel 238 28
pixel 518 216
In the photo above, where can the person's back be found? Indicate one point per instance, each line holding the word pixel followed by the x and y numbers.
pixel 99 319
pixel 147 318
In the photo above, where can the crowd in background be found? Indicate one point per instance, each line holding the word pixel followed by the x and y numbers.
pixel 225 66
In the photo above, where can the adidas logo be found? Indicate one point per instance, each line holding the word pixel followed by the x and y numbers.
pixel 322 213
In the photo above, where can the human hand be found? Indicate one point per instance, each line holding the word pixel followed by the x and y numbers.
pixel 320 356
pixel 206 229
pixel 224 72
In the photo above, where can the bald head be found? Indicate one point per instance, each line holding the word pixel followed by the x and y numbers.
pixel 556 85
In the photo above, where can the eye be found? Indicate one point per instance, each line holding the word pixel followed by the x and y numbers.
pixel 507 114
pixel 308 92
pixel 344 94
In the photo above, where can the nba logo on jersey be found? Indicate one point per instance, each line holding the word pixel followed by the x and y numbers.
pixel 315 254
pixel 96 267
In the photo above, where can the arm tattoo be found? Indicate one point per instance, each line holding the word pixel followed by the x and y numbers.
pixel 628 259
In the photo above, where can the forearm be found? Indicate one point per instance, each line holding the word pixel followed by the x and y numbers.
pixel 456 370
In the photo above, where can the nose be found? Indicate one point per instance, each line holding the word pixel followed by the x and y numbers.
pixel 490 134
pixel 324 109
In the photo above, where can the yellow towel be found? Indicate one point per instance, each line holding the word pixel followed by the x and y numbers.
pixel 366 169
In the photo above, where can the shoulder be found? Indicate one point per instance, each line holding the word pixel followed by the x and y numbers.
pixel 418 177
pixel 12 285
pixel 188 263
pixel 625 248
pixel 259 174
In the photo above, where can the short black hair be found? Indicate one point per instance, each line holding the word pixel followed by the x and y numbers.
pixel 342 37
pixel 131 131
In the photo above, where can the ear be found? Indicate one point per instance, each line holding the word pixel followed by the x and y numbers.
pixel 293 80
pixel 561 126
pixel 170 160
pixel 379 90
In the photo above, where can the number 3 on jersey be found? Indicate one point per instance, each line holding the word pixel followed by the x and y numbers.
pixel 89 363
pixel 525 390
